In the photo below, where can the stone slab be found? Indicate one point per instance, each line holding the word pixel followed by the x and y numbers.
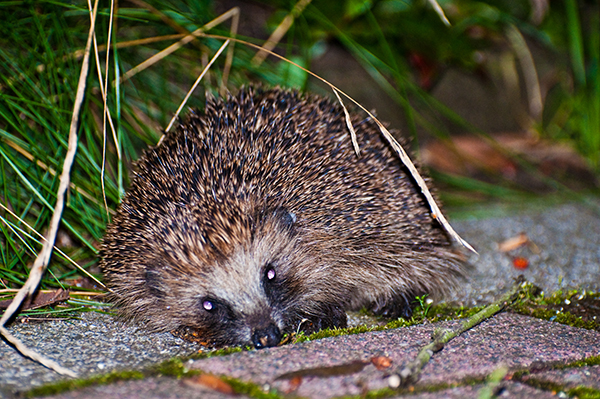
pixel 513 340
pixel 91 344
pixel 149 388
pixel 565 254
pixel 588 376
pixel 505 389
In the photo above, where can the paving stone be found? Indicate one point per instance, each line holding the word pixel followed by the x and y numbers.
pixel 91 344
pixel 514 340
pixel 508 339
pixel 149 388
pixel 513 390
pixel 588 376
pixel 566 253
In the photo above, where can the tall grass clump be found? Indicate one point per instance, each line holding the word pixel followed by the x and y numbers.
pixel 40 55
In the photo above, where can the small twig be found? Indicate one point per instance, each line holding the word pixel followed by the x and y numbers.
pixel 41 262
pixel 213 59
pixel 411 372
pixel 106 114
pixel 530 76
pixel 33 355
pixel 77 54
pixel 71 293
pixel 235 22
pixel 492 383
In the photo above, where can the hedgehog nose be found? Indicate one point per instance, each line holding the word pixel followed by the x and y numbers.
pixel 266 337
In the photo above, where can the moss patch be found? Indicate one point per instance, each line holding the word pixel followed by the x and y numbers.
pixel 62 386
pixel 580 392
pixel 421 314
pixel 216 352
pixel 251 389
pixel 590 361
pixel 574 308
pixel 174 368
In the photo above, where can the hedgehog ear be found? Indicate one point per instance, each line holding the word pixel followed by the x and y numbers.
pixel 285 217
pixel 154 283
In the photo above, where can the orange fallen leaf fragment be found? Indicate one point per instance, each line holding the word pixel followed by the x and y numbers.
pixel 210 381
pixel 513 243
pixel 520 263
pixel 381 362
pixel 293 384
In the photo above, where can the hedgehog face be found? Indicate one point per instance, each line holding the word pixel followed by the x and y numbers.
pixel 242 305
pixel 252 295
pixel 258 306
pixel 246 294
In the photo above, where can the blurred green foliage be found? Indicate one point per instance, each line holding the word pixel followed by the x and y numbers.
pixel 572 109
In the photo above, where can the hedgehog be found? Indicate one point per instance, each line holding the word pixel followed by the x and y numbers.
pixel 257 218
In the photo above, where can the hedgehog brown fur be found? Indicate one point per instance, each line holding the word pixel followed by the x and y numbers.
pixel 257 218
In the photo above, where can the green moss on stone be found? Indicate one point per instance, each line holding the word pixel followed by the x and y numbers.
pixel 590 361
pixel 561 307
pixel 216 352
pixel 580 392
pixel 432 314
pixel 584 393
pixel 251 389
pixel 62 386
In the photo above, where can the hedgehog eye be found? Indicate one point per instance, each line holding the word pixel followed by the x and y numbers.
pixel 208 305
pixel 270 273
pixel 216 309
pixel 273 284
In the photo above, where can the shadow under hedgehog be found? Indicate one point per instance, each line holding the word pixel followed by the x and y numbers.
pixel 257 218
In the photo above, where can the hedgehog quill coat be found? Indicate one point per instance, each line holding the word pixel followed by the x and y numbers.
pixel 257 218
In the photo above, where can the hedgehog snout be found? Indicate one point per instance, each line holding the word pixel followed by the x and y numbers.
pixel 264 331
pixel 267 336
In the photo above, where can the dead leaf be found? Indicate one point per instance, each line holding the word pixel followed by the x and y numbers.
pixel 470 155
pixel 293 384
pixel 513 243
pixel 381 362
pixel 211 382
pixel 191 334
pixel 39 300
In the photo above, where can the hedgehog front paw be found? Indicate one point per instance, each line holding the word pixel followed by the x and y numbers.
pixel 400 305
pixel 331 316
